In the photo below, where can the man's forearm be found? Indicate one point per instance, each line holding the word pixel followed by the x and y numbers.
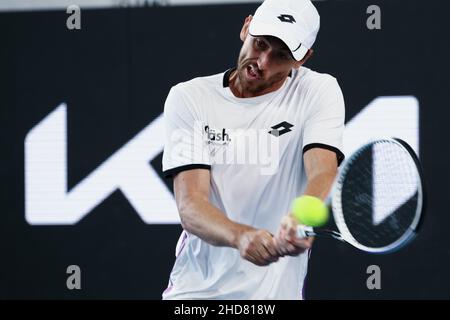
pixel 320 185
pixel 204 220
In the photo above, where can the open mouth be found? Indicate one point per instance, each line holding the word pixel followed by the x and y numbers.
pixel 252 73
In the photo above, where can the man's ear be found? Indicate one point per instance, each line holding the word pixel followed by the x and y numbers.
pixel 244 30
pixel 308 55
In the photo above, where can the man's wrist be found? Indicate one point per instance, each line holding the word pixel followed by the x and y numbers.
pixel 237 232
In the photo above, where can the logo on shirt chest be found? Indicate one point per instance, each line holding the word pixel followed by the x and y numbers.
pixel 222 136
pixel 281 128
pixel 217 136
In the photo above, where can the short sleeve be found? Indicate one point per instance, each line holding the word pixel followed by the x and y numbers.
pixel 184 145
pixel 324 125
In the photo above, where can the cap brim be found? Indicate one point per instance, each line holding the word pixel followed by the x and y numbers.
pixel 258 28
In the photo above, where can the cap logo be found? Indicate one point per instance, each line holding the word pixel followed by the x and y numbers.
pixel 286 18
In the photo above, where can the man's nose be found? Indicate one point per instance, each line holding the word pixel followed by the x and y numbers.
pixel 263 60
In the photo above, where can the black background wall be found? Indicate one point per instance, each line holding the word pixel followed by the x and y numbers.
pixel 114 75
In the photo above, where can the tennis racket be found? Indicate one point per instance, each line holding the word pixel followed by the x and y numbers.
pixel 377 199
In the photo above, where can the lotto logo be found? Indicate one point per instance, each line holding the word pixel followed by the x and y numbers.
pixel 286 18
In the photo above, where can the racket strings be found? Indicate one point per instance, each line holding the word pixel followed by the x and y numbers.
pixel 394 180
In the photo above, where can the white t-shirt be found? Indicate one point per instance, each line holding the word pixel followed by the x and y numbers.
pixel 254 148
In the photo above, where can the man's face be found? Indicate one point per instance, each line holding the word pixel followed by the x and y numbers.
pixel 263 62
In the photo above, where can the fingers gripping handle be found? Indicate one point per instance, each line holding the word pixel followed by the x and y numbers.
pixel 304 231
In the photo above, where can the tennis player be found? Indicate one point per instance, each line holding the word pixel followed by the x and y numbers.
pixel 239 238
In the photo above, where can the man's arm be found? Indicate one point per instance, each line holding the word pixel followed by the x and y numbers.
pixel 201 218
pixel 321 169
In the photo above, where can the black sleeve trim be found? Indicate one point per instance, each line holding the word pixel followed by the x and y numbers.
pixel 172 172
pixel 340 156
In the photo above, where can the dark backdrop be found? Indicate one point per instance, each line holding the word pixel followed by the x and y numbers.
pixel 114 75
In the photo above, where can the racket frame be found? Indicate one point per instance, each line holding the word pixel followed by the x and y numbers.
pixel 333 202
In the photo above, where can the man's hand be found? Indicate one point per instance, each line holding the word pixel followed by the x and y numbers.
pixel 286 240
pixel 257 246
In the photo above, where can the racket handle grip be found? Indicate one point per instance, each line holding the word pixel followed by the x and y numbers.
pixel 304 231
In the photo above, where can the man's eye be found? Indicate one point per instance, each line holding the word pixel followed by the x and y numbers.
pixel 260 44
pixel 283 56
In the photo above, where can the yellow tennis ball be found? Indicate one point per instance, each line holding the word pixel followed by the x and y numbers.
pixel 310 211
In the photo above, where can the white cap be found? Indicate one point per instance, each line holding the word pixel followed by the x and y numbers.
pixel 295 22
